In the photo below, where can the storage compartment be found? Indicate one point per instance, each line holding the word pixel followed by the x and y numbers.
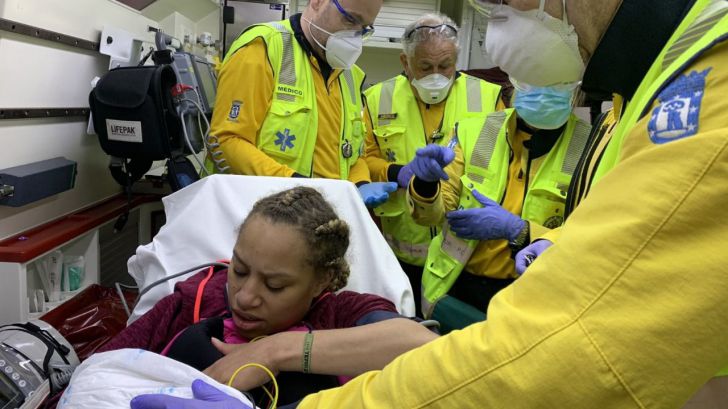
pixel 82 238
pixel 78 255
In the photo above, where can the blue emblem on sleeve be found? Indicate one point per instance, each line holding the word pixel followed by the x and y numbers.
pixel 679 111
pixel 234 111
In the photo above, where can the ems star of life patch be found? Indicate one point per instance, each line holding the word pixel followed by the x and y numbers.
pixel 234 111
pixel 678 114
pixel 391 155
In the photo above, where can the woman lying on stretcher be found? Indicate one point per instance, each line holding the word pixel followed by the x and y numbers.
pixel 287 262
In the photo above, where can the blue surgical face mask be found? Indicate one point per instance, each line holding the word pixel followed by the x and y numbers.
pixel 544 107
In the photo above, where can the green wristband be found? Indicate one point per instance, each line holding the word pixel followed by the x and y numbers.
pixel 307 344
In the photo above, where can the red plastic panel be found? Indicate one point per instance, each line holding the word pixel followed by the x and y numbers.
pixel 90 319
pixel 34 242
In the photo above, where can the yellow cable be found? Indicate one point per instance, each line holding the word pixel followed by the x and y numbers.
pixel 267 392
pixel 268 371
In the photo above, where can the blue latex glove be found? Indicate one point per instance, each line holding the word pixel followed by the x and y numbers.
pixel 404 176
pixel 429 162
pixel 528 254
pixel 375 193
pixel 489 222
pixel 205 397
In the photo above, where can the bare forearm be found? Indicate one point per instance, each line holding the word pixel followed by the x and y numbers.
pixel 352 351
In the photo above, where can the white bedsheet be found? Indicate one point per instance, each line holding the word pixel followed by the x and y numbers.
pixel 202 223
pixel 110 380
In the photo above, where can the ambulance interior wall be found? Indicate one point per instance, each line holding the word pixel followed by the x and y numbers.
pixel 37 73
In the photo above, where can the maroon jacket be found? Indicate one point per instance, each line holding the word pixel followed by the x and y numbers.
pixel 173 313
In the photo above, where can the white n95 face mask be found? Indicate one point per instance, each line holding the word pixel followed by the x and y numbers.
pixel 534 47
pixel 342 48
pixel 433 88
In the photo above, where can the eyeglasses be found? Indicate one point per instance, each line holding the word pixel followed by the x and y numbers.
pixel 445 28
pixel 365 32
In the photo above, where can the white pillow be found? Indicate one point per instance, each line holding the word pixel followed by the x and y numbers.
pixel 202 224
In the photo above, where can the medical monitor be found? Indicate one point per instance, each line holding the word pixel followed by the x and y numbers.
pixel 198 73
pixel 207 81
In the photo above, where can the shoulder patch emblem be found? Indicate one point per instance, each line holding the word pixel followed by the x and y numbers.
pixel 678 114
pixel 553 222
pixel 234 111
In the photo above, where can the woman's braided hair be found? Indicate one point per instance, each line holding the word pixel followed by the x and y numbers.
pixel 327 236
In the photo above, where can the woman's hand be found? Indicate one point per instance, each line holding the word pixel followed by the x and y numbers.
pixel 259 352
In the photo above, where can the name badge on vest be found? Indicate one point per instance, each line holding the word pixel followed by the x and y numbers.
pixel 393 115
pixel 347 150
pixel 457 248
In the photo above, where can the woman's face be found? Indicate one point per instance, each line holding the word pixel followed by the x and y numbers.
pixel 271 285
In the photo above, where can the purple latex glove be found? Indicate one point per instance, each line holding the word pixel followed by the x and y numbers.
pixel 489 222
pixel 528 254
pixel 205 397
pixel 429 162
pixel 404 176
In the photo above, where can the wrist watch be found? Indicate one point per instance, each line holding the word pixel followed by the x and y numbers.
pixel 522 239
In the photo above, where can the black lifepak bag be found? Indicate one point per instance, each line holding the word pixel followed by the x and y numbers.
pixel 134 114
pixel 135 117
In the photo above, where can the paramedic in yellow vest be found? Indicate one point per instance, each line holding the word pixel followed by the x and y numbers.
pixel 289 98
pixel 416 108
pixel 627 308
pixel 508 180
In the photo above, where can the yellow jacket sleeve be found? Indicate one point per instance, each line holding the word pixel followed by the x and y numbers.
pixel 544 233
pixel 431 211
pixel 626 310
pixel 246 82
pixel 359 172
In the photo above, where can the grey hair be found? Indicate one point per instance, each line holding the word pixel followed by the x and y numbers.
pixel 410 41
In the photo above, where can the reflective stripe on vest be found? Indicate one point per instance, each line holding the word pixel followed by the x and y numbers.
pixel 485 145
pixel 287 74
pixel 385 101
pixel 576 148
pixel 400 131
pixel 474 96
pixel 695 31
pixel 349 78
pixel 486 170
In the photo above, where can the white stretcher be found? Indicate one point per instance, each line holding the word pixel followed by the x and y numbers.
pixel 202 224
